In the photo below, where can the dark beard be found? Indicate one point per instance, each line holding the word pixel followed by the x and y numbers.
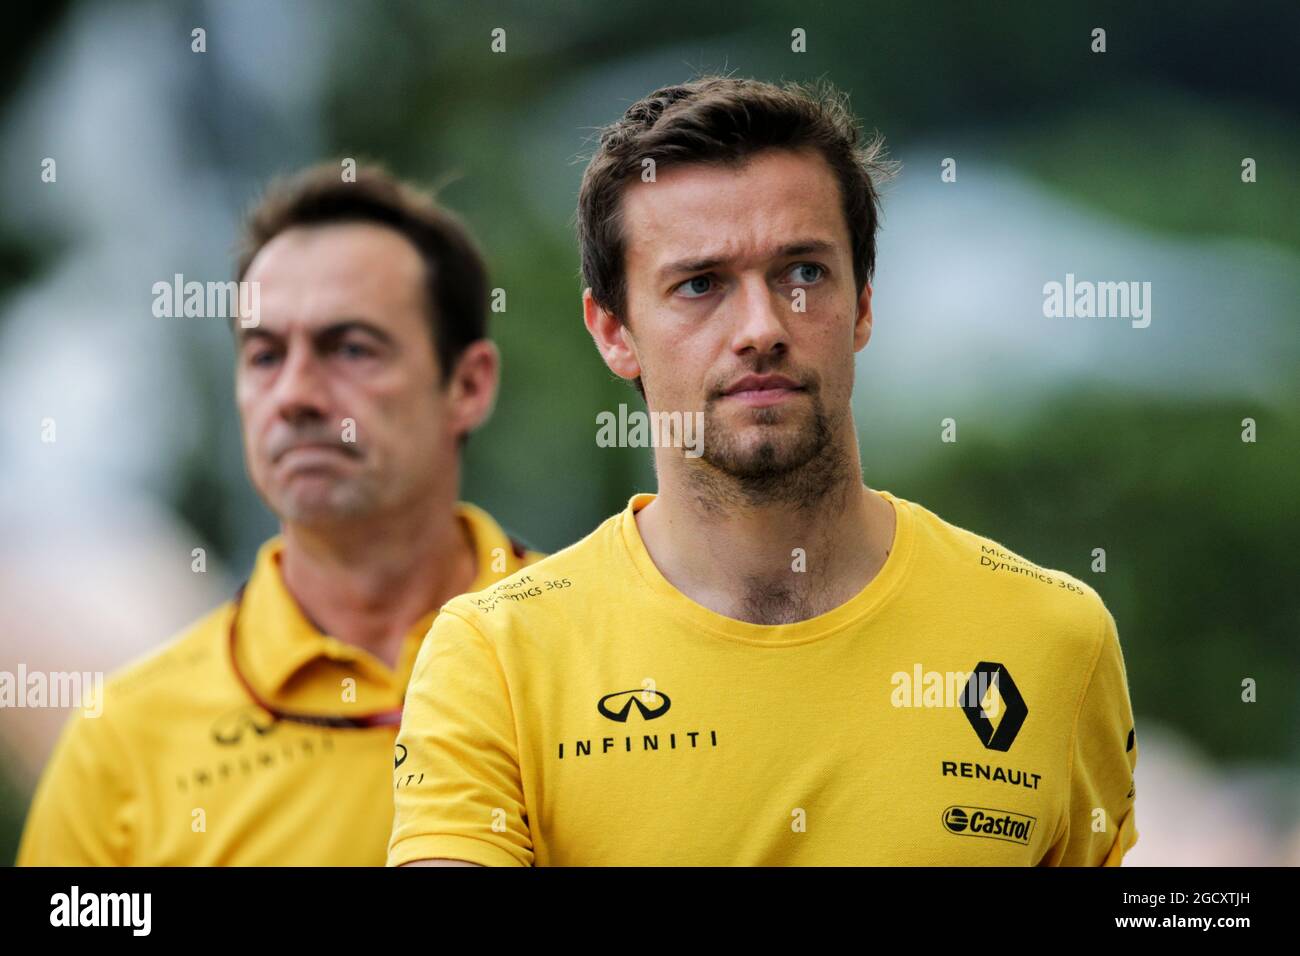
pixel 799 475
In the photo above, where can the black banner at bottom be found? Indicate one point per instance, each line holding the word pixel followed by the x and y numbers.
pixel 432 905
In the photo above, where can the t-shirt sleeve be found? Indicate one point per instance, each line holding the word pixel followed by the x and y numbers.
pixel 458 791
pixel 1101 826
pixel 83 810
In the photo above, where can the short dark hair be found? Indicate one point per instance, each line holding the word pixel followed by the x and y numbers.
pixel 456 286
pixel 725 121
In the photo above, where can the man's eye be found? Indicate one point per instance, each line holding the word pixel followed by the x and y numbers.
pixel 355 350
pixel 696 287
pixel 806 273
pixel 261 358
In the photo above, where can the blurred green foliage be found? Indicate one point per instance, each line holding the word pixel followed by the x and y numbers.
pixel 1198 528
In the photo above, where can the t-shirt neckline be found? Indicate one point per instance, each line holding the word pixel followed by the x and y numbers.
pixel 855 611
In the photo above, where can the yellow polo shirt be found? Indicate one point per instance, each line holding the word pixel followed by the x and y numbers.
pixel 967 707
pixel 182 769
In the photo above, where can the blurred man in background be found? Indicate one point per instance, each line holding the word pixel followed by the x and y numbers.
pixel 263 735
pixel 767 662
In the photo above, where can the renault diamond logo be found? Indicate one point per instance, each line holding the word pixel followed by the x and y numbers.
pixel 988 676
pixel 634 697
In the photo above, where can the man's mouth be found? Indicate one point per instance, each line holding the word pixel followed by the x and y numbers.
pixel 761 390
pixel 308 450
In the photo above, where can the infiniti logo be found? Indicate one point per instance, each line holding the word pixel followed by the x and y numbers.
pixel 651 704
pixel 633 697
pixel 230 728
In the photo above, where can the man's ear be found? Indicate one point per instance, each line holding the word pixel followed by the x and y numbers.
pixel 472 389
pixel 862 327
pixel 613 338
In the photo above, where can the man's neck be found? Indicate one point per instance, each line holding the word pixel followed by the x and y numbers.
pixel 772 562
pixel 368 585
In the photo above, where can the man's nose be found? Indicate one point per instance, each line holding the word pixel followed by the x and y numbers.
pixel 301 390
pixel 761 316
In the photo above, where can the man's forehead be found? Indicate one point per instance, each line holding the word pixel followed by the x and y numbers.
pixel 716 211
pixel 346 254
pixel 313 276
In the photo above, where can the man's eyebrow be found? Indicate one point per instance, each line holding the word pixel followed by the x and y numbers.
pixel 801 247
pixel 344 326
pixel 245 335
pixel 332 331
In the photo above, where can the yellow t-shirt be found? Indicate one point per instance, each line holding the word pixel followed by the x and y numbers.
pixel 181 768
pixel 585 712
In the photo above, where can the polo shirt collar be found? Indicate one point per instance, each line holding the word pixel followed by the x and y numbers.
pixel 276 639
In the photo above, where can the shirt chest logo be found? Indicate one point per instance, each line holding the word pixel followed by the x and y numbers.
pixel 987 677
pixel 983 694
pixel 634 707
pixel 651 703
pixel 994 824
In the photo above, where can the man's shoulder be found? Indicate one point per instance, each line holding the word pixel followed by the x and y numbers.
pixel 550 583
pixel 172 674
pixel 981 567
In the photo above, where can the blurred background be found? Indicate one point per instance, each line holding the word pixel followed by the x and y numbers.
pixel 1073 434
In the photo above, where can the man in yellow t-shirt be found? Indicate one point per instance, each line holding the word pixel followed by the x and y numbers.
pixel 264 734
pixel 767 662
